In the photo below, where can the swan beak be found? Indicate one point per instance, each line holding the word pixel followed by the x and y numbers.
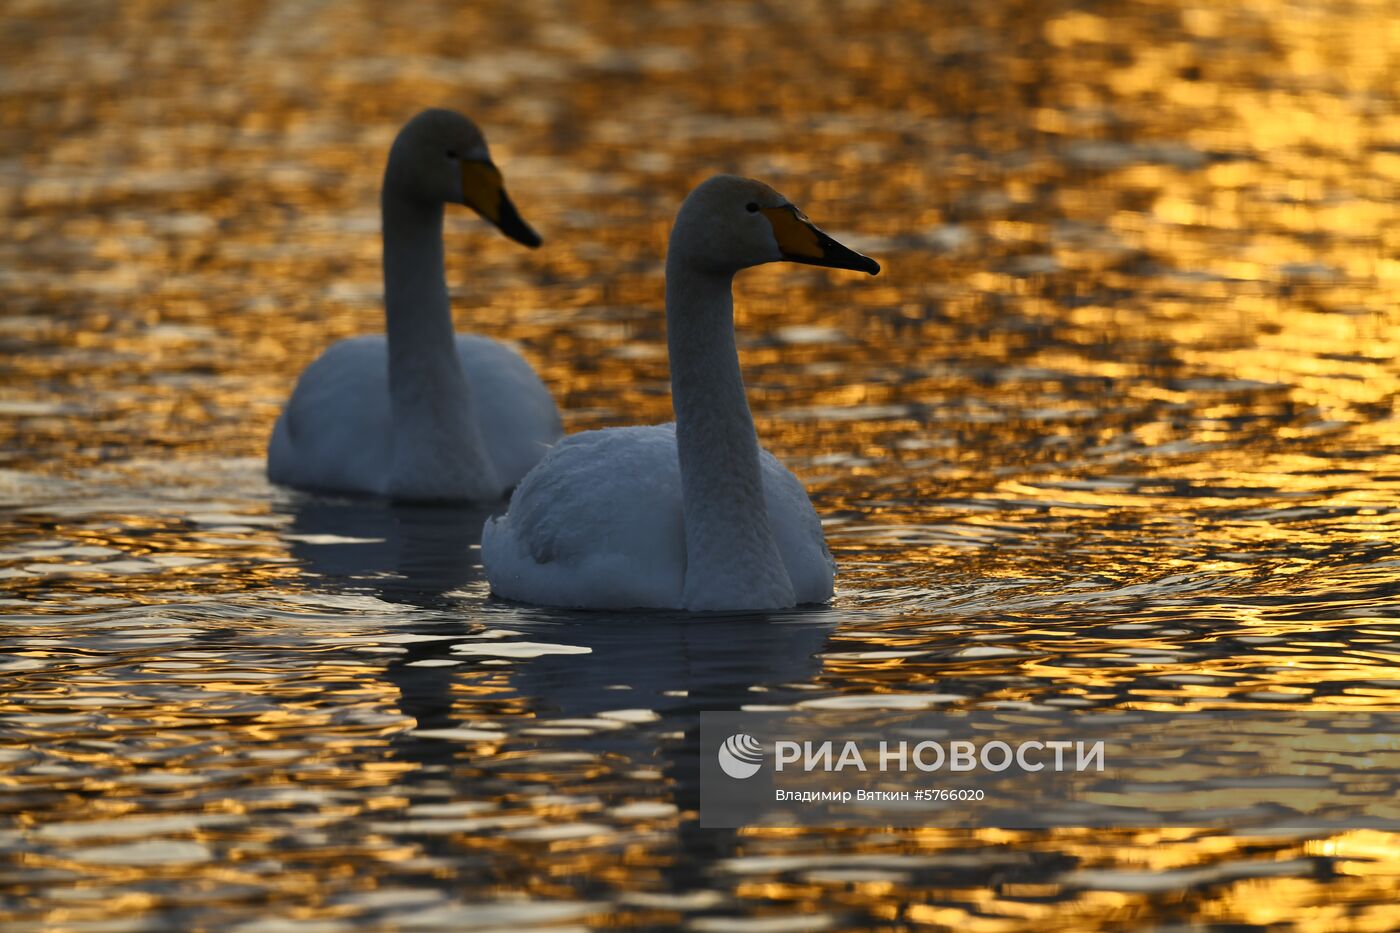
pixel 799 240
pixel 484 192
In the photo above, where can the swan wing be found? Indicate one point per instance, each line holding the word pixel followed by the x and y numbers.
pixel 596 524
pixel 334 432
pixel 516 416
pixel 797 531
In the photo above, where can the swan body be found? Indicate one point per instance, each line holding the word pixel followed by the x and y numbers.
pixel 600 524
pixel 421 413
pixel 693 515
pixel 337 430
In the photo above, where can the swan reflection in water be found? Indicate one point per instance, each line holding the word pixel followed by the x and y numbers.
pixel 672 665
pixel 401 553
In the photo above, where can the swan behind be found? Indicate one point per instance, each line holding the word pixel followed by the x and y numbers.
pixel 421 413
pixel 693 515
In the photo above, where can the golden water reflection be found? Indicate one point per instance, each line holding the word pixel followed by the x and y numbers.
pixel 1115 428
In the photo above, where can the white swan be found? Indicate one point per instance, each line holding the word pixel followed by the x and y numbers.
pixel 692 515
pixel 426 414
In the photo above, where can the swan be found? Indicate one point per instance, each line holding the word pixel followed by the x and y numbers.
pixel 420 413
pixel 692 515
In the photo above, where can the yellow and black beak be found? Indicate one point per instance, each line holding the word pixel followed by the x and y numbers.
pixel 484 192
pixel 799 240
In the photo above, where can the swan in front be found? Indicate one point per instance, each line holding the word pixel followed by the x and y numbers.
pixel 693 515
pixel 420 413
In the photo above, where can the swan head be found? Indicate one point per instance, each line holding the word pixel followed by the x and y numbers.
pixel 440 157
pixel 730 223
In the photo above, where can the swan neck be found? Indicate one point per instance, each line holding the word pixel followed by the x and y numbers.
pixel 729 544
pixel 437 451
pixel 707 387
pixel 418 313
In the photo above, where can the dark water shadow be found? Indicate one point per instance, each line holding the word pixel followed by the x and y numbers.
pixel 672 664
pixel 412 554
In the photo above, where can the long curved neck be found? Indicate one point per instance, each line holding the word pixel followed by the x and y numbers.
pixel 417 310
pixel 732 560
pixel 437 450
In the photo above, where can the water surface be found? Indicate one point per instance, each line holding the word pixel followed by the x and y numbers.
pixel 1116 428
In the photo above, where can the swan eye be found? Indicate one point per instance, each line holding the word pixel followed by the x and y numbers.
pixel 452 153
pixel 752 207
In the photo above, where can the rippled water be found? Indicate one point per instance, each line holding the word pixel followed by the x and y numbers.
pixel 1116 428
